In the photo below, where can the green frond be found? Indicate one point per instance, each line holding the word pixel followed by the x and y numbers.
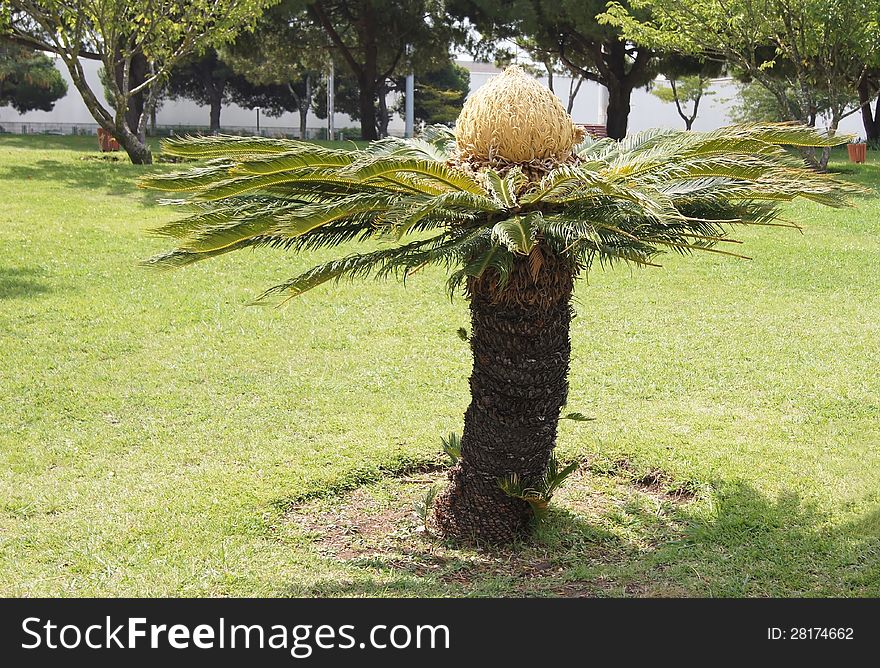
pixel 560 182
pixel 782 134
pixel 487 256
pixel 351 266
pixel 293 160
pixel 435 171
pixel 518 233
pixel 441 137
pixel 416 148
pixel 218 146
pixel 539 494
pixel 503 189
pixel 180 258
pixel 446 249
pixel 188 181
pixel 406 216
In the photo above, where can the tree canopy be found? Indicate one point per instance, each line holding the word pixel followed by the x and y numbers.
pixel 286 56
pixel 805 52
pixel 29 81
pixel 439 94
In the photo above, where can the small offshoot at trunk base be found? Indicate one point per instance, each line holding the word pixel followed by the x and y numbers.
pixel 516 204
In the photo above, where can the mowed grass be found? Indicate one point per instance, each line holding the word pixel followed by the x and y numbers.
pixel 155 432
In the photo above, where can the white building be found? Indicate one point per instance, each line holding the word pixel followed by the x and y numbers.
pixel 647 110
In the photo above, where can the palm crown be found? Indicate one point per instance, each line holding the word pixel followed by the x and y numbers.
pixel 609 201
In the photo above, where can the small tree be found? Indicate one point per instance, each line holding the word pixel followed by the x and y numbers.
pixel 516 205
pixel 684 91
pixel 755 104
pixel 138 42
pixel 28 80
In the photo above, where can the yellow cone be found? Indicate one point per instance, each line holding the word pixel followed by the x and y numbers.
pixel 514 118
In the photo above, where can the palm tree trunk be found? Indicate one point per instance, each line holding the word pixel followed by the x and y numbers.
pixel 521 349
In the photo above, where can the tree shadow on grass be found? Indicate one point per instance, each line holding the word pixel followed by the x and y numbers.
pixel 737 542
pixel 100 176
pixel 21 282
pixel 751 545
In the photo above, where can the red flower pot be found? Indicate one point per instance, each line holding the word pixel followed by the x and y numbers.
pixel 857 152
pixel 106 141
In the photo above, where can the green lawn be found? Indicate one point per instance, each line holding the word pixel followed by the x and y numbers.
pixel 157 434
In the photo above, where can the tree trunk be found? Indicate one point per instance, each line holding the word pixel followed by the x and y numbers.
pixel 137 74
pixel 870 119
pixel 216 107
pixel 618 111
pixel 573 89
pixel 303 104
pixel 519 383
pixel 138 151
pixel 367 109
pixel 383 117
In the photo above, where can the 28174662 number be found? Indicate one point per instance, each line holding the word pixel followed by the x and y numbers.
pixel 820 633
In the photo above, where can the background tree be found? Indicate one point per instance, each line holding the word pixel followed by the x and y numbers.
pixel 126 37
pixel 205 79
pixel 807 53
pixel 439 94
pixel 347 96
pixel 28 80
pixel 516 206
pixel 211 81
pixel 688 90
pixel 753 103
pixel 369 38
pixel 569 29
pixel 286 50
pixel 689 82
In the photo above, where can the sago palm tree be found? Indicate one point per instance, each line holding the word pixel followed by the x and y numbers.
pixel 516 204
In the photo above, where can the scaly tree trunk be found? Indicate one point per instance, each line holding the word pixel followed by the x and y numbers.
pixel 521 349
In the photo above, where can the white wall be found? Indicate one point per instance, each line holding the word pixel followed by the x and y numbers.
pixel 71 109
pixel 647 110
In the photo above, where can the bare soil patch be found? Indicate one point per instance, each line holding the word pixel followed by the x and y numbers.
pixel 384 526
